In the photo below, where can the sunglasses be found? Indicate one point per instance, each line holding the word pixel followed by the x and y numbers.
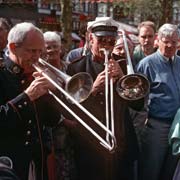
pixel 106 40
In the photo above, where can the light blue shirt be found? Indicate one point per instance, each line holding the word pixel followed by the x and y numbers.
pixel 164 96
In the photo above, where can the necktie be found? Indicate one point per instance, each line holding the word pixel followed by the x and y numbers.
pixel 170 61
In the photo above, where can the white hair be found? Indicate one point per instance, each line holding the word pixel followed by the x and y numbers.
pixel 19 32
pixel 52 36
pixel 167 30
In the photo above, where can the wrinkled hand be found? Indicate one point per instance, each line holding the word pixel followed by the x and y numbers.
pixel 114 71
pixel 38 87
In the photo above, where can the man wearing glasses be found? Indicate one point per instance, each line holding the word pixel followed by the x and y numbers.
pixel 162 70
pixel 93 160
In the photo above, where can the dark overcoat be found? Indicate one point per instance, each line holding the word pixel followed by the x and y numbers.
pixel 22 121
pixel 94 161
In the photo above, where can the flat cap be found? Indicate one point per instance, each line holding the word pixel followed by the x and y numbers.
pixel 103 26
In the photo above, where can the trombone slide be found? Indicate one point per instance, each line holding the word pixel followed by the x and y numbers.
pixel 110 146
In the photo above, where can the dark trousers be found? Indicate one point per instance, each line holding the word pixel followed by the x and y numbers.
pixel 155 151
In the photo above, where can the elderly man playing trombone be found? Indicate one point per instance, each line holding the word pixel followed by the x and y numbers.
pixel 96 161
pixel 25 106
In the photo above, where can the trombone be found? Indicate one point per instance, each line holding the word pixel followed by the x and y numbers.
pixel 133 86
pixel 107 89
pixel 78 88
pixel 76 91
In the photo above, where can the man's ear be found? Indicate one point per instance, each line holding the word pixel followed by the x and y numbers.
pixel 12 47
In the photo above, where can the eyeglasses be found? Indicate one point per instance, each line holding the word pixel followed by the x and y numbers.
pixel 106 40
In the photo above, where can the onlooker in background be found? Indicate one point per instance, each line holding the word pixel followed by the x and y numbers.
pixel 146 38
pixel 119 52
pixel 25 105
pixel 75 54
pixel 162 71
pixel 94 161
pixel 53 50
pixel 5 26
pixel 60 138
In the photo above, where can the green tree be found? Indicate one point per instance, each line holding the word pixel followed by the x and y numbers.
pixel 66 22
pixel 159 11
pixel 167 6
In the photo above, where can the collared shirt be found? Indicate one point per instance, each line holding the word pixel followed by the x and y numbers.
pixel 166 58
pixel 164 96
pixel 137 55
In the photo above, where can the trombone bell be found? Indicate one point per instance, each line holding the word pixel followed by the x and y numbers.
pixel 133 87
pixel 79 86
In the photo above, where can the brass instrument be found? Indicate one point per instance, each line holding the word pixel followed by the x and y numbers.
pixel 133 86
pixel 75 87
pixel 107 89
pixel 78 88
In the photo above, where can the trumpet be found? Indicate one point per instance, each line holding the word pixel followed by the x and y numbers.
pixel 78 85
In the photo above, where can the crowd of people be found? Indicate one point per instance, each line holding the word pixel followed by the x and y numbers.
pixel 42 140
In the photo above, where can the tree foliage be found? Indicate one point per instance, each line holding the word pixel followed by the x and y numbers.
pixel 159 11
pixel 65 19
pixel 66 22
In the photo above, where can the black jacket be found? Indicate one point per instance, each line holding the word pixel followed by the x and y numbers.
pixel 22 121
pixel 95 162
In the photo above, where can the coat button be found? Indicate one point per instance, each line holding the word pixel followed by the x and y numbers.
pixel 26 143
pixel 101 102
pixel 22 81
pixel 30 121
pixel 20 106
pixel 25 103
pixel 28 132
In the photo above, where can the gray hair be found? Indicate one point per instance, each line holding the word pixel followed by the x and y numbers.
pixel 19 32
pixel 52 36
pixel 167 30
